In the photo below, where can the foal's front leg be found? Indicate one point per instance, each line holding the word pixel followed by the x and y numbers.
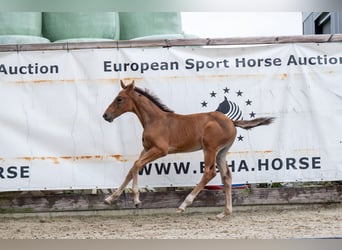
pixel 145 157
pixel 110 199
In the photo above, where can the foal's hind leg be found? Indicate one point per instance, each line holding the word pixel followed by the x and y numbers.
pixel 226 177
pixel 209 173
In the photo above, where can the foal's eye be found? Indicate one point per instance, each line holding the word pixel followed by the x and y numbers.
pixel 119 99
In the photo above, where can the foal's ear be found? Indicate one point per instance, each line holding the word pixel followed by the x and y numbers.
pixel 122 84
pixel 130 86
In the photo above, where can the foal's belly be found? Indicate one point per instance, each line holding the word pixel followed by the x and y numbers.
pixel 184 146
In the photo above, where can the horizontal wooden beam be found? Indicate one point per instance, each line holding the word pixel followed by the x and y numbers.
pixel 174 43
pixel 18 202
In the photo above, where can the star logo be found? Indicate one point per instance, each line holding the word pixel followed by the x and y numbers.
pixel 239 93
pixel 248 102
pixel 213 94
pixel 204 104
pixel 235 104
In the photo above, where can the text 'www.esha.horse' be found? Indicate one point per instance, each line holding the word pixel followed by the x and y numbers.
pixel 166 132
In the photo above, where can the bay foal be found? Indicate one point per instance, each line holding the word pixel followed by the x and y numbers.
pixel 165 132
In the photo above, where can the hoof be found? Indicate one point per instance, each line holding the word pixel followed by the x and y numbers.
pixel 222 215
pixel 180 210
pixel 108 201
pixel 138 205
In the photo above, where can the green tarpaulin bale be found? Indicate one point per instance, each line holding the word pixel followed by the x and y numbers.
pixel 83 40
pixel 21 23
pixel 165 37
pixel 17 39
pixel 69 25
pixel 141 24
pixel 160 37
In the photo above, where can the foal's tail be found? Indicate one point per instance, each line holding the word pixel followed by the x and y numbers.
pixel 248 124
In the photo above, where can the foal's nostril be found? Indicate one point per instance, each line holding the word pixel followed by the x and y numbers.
pixel 104 116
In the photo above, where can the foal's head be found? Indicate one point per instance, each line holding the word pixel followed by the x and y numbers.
pixel 122 103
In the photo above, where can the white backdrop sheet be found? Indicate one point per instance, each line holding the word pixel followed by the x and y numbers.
pixel 53 135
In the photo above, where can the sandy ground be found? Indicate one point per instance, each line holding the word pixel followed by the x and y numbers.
pixel 275 222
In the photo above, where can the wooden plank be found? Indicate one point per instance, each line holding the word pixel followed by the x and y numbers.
pixel 16 202
pixel 174 42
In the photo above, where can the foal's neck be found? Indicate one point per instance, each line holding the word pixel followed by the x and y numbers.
pixel 147 111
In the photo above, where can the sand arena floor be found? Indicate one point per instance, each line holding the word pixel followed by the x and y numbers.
pixel 266 222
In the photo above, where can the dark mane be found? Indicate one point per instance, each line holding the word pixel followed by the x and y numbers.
pixel 153 98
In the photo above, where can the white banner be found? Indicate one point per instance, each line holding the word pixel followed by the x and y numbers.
pixel 53 135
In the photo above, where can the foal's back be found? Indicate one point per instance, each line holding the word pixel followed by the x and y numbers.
pixel 197 131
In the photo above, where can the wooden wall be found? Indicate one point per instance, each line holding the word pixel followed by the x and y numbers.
pixel 51 202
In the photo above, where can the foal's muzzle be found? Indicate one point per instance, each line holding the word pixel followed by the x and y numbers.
pixel 108 118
